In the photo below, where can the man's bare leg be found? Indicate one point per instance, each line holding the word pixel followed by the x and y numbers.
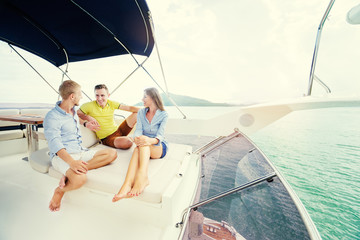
pixel 131 120
pixel 62 182
pixel 102 158
pixel 130 177
pixel 74 181
pixel 123 142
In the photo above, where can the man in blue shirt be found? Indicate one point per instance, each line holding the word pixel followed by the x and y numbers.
pixel 62 131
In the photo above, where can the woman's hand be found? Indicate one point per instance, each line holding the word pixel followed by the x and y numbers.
pixel 142 141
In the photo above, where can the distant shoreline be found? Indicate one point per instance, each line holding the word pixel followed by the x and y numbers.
pixel 187 101
pixel 25 105
pixel 180 100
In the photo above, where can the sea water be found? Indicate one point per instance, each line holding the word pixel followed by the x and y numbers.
pixel 318 152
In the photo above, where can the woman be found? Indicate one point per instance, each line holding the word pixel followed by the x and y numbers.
pixel 150 143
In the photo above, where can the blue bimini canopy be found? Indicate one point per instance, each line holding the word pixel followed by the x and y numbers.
pixel 62 31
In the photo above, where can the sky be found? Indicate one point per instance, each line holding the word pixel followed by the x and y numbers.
pixel 234 51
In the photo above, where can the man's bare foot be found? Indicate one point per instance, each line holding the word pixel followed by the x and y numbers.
pixel 62 182
pixel 140 184
pixel 56 200
pixel 123 193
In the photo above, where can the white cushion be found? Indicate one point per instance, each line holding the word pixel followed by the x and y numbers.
pixel 161 172
pixel 110 178
pixel 11 134
pixel 88 137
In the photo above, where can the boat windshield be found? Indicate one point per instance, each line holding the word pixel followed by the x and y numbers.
pixel 255 203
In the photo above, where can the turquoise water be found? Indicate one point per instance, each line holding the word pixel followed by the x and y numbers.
pixel 318 152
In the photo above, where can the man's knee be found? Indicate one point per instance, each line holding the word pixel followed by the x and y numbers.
pixel 112 154
pixel 77 180
pixel 128 143
pixel 82 179
pixel 123 143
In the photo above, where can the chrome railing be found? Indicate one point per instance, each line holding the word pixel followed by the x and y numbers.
pixel 267 177
pixel 317 43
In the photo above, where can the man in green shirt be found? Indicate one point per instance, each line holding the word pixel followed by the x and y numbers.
pixel 99 117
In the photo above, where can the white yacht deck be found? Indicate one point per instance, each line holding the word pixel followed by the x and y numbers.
pixel 89 213
pixel 25 214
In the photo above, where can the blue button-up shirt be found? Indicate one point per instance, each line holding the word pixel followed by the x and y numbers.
pixel 62 130
pixel 155 129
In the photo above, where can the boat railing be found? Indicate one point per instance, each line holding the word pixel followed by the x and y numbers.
pixel 217 142
pixel 316 49
pixel 327 89
pixel 268 178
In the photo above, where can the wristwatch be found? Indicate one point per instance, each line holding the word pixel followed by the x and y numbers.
pixel 85 123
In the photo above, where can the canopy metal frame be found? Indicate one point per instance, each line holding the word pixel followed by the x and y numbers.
pixel 64 72
pixel 132 55
pixel 139 65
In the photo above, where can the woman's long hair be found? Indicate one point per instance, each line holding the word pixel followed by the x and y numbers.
pixel 153 93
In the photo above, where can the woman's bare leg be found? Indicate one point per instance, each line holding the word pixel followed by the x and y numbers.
pixel 130 177
pixel 142 180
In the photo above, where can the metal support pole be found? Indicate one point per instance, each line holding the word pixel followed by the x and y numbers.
pixel 317 43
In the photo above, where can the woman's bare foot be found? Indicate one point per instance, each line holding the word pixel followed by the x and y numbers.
pixel 140 184
pixel 62 182
pixel 123 193
pixel 56 200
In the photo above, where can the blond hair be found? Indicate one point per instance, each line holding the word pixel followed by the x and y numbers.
pixel 67 88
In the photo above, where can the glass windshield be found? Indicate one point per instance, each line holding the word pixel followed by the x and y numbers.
pixel 262 211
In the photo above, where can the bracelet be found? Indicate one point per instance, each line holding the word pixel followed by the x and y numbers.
pixel 85 123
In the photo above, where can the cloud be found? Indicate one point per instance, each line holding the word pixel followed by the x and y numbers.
pixel 223 51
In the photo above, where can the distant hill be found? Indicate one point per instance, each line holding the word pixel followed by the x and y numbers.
pixel 182 100
pixel 25 105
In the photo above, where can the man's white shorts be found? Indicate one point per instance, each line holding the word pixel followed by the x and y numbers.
pixel 61 166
